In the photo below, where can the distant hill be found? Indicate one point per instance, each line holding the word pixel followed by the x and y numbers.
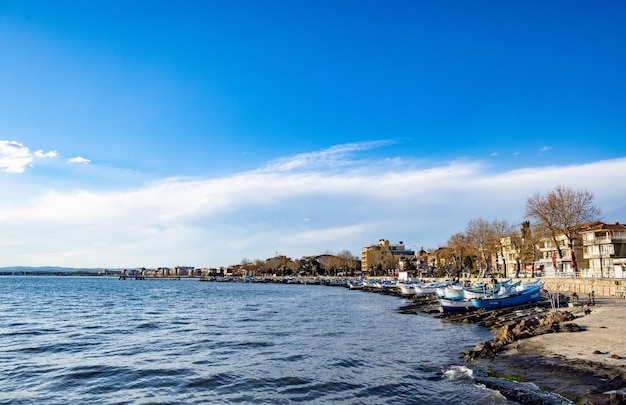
pixel 46 269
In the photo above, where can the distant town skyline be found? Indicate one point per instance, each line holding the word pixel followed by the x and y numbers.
pixel 215 132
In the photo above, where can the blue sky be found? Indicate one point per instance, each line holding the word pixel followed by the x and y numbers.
pixel 201 133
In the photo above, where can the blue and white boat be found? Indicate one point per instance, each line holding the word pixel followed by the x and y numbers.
pixel 453 292
pixel 481 289
pixel 385 285
pixel 524 294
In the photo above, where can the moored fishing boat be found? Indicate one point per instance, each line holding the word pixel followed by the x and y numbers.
pixel 482 289
pixel 524 294
pixel 370 285
pixel 406 289
pixel 355 284
pixel 453 292
pixel 428 288
pixel 448 305
pixel 386 285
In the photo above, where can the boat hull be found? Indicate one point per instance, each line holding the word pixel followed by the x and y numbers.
pixel 527 296
pixel 427 288
pixel 453 292
pixel 448 305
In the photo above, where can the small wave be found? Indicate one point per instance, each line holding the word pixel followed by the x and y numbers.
pixel 459 373
pixel 255 345
pixel 148 325
pixel 213 382
pixel 68 347
pixel 349 363
pixel 293 358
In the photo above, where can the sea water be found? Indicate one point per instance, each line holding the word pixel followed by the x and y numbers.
pixel 100 340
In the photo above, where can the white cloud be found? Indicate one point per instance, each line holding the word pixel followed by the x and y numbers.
pixel 42 154
pixel 15 157
pixel 79 159
pixel 219 221
pixel 545 149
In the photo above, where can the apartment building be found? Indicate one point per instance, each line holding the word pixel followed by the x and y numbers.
pixel 558 259
pixel 598 251
pixel 372 255
pixel 604 251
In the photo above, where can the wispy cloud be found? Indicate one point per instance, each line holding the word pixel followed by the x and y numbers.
pixel 332 157
pixel 219 221
pixel 545 149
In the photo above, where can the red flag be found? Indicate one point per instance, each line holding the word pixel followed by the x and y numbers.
pixel 554 260
pixel 574 265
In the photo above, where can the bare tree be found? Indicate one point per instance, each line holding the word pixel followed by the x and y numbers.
pixel 390 262
pixel 459 247
pixel 480 236
pixel 561 211
pixel 531 236
pixel 349 262
pixel 500 230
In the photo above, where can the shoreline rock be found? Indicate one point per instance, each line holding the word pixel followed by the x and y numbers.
pixel 539 351
pixel 586 367
pixel 553 322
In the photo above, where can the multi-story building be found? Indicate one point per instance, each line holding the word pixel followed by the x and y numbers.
pixel 598 250
pixel 604 250
pixel 558 259
pixel 372 255
pixel 510 258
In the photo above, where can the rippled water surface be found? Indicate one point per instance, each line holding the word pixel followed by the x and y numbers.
pixel 100 340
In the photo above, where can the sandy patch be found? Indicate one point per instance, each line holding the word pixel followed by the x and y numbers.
pixel 574 364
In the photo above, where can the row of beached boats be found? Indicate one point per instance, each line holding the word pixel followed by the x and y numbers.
pixel 505 294
pixel 462 296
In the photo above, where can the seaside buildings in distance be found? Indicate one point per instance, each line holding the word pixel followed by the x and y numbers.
pixel 597 251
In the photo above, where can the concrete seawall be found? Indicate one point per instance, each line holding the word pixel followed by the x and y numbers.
pixel 584 286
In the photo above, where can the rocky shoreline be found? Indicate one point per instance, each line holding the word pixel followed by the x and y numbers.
pixel 567 351
pixel 576 352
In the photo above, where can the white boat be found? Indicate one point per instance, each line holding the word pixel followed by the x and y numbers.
pixel 428 288
pixel 448 305
pixel 370 284
pixel 481 289
pixel 453 292
pixel 355 284
pixel 406 290
pixel 386 285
